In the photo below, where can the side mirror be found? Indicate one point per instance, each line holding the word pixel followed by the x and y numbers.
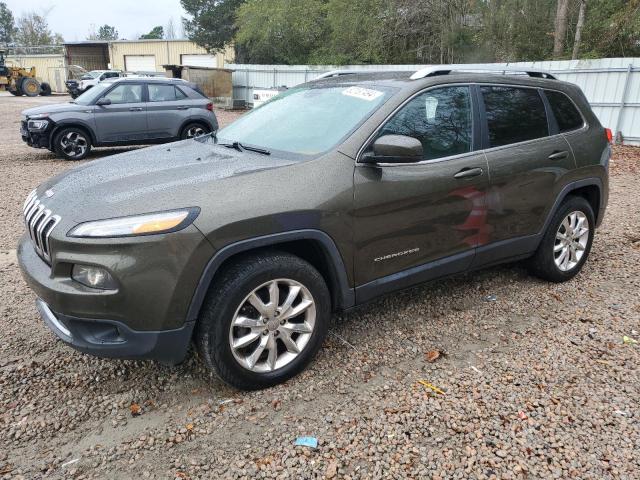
pixel 103 101
pixel 395 149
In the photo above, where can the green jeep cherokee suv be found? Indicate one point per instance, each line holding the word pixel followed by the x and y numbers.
pixel 331 194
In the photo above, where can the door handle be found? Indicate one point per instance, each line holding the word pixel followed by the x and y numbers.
pixel 135 109
pixel 468 172
pixel 559 155
pixel 182 108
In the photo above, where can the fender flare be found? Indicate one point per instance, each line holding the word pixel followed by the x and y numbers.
pixel 60 125
pixel 566 190
pixel 345 295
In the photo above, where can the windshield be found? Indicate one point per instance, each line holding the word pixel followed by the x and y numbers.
pixel 90 75
pixel 93 93
pixel 306 120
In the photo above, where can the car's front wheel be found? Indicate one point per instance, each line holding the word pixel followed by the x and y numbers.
pixel 566 244
pixel 72 143
pixel 265 318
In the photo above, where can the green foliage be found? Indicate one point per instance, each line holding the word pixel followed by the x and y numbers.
pixel 212 23
pixel 156 33
pixel 356 32
pixel 408 31
pixel 281 31
pixel 612 29
pixel 7 26
pixel 107 32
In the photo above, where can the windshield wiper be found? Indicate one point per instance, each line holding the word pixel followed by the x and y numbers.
pixel 241 148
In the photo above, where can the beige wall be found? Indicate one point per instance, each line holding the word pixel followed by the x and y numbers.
pixel 49 68
pixel 166 52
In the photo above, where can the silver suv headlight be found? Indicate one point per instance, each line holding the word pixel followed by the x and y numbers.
pixel 147 224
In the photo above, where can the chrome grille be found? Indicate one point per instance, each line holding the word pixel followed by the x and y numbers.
pixel 40 222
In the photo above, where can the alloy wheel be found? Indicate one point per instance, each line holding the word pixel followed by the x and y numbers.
pixel 195 131
pixel 74 144
pixel 272 325
pixel 571 241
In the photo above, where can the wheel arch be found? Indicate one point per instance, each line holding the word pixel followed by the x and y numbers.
pixel 588 188
pixel 314 246
pixel 60 126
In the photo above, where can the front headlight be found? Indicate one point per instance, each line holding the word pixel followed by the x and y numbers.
pixel 37 124
pixel 147 224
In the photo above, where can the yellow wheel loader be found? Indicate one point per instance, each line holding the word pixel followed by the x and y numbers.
pixel 20 81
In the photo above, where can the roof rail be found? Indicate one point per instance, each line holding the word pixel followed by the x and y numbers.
pixel 340 73
pixel 447 69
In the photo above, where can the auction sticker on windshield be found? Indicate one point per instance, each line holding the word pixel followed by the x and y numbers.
pixel 362 93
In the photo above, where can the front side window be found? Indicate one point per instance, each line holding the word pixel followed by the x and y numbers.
pixel 307 120
pixel 514 115
pixel 566 113
pixel 125 93
pixel 441 119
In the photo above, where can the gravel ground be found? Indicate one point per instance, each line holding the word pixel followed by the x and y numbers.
pixel 535 379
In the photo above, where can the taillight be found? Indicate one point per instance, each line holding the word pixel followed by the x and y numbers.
pixel 609 134
pixel 210 107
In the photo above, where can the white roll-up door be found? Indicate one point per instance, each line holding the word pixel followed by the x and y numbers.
pixel 140 63
pixel 193 60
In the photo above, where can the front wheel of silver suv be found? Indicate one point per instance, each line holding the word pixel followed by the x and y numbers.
pixel 567 242
pixel 264 320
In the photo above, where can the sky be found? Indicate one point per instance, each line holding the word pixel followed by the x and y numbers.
pixel 73 18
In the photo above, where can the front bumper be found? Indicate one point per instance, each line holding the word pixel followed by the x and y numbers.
pixel 36 139
pixel 112 339
pixel 145 317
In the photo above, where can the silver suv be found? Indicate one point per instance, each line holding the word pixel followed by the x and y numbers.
pixel 120 111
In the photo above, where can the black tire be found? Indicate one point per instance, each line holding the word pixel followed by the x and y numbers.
pixel 45 89
pixel 228 293
pixel 543 263
pixel 194 129
pixel 61 143
pixel 30 87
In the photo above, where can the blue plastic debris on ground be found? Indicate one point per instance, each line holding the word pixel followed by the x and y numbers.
pixel 307 442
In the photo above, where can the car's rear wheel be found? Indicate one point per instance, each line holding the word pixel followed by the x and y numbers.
pixel 264 320
pixel 72 143
pixel 193 130
pixel 567 242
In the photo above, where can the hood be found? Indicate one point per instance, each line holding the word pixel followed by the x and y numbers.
pixel 176 175
pixel 56 108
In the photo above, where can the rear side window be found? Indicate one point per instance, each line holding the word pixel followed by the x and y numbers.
pixel 514 115
pixel 164 93
pixel 566 113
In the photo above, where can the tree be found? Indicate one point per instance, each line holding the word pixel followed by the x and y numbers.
pixel 281 31
pixel 579 26
pixel 7 24
pixel 212 24
pixel 33 29
pixel 612 29
pixel 560 32
pixel 356 32
pixel 170 30
pixel 107 32
pixel 156 33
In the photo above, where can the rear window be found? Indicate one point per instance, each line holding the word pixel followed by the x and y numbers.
pixel 514 115
pixel 566 113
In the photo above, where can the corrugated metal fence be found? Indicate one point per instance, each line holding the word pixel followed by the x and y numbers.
pixel 612 85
